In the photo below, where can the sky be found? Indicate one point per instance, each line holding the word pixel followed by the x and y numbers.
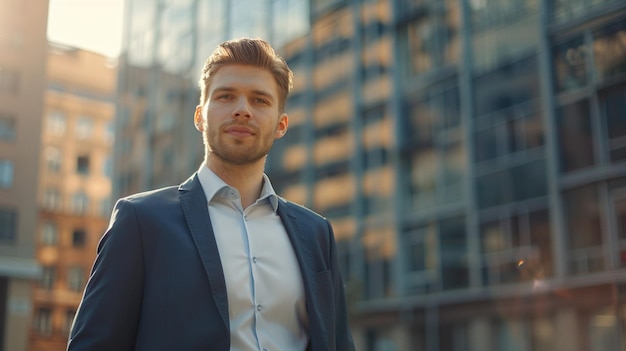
pixel 94 25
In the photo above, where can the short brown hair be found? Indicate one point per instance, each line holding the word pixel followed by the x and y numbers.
pixel 252 52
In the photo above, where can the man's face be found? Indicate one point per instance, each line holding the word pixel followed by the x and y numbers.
pixel 240 119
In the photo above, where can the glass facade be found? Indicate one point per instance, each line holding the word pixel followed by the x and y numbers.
pixel 165 46
pixel 469 154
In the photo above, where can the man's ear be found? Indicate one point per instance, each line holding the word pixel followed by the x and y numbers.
pixel 283 125
pixel 198 121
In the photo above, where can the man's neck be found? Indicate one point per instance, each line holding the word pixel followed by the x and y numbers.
pixel 247 179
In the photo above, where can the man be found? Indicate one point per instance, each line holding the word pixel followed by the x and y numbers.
pixel 220 262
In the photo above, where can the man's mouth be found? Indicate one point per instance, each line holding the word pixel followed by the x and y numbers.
pixel 239 131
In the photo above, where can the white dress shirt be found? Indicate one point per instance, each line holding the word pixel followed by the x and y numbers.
pixel 266 300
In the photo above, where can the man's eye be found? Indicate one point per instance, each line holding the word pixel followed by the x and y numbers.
pixel 261 101
pixel 224 96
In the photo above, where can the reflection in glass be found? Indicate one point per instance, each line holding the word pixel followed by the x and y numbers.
pixel 613 111
pixel 142 35
pixel 494 12
pixel 584 229
pixel 575 136
pixel 432 41
pixel 453 246
pixel 507 86
pixel 498 46
pixel 423 179
pixel 609 50
pixel 420 245
pixel 517 248
pixel 570 65
pixel 566 10
pixel 521 182
pixel 453 171
pixel 437 162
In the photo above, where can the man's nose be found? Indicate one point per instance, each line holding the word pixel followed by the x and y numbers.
pixel 242 108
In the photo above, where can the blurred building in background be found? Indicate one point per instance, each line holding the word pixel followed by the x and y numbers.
pixel 470 154
pixel 22 77
pixel 74 185
pixel 166 44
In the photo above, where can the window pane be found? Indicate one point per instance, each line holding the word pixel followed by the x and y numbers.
pixel 495 189
pixel 6 173
pixel 452 108
pixel 498 46
pixel 8 224
pixel 79 237
pixel 613 110
pixel 82 164
pixel 69 319
pixel 422 127
pixel 533 130
pixel 52 199
pixel 570 65
pixel 56 123
pixel 43 321
pixel 49 233
pixel 80 202
pixel 583 217
pixel 529 180
pixel 494 12
pixel 420 46
pixel 575 136
pixel 453 244
pixel 75 278
pixel 84 126
pixel 7 128
pixel 609 49
pixel 507 86
pixel 53 159
pixel 584 230
pixel 487 144
pixel 453 171
pixel 48 277
pixel 424 179
pixel 493 238
pixel 431 41
pixel 541 240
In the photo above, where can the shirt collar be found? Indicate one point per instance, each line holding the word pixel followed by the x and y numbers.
pixel 213 185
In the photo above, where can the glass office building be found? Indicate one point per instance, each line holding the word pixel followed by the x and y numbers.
pixel 165 46
pixel 468 153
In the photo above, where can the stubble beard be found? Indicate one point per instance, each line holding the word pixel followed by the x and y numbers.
pixel 235 152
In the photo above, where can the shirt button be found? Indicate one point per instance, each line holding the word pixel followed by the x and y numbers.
pixel 259 308
pixel 245 218
pixel 254 259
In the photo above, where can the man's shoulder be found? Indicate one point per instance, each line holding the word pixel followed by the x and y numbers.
pixel 160 195
pixel 301 211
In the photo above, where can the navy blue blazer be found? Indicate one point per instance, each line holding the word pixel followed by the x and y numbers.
pixel 157 282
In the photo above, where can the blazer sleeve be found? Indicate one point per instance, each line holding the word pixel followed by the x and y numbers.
pixel 108 315
pixel 343 335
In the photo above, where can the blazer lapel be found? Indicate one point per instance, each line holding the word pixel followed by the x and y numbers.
pixel 299 241
pixel 302 248
pixel 194 205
